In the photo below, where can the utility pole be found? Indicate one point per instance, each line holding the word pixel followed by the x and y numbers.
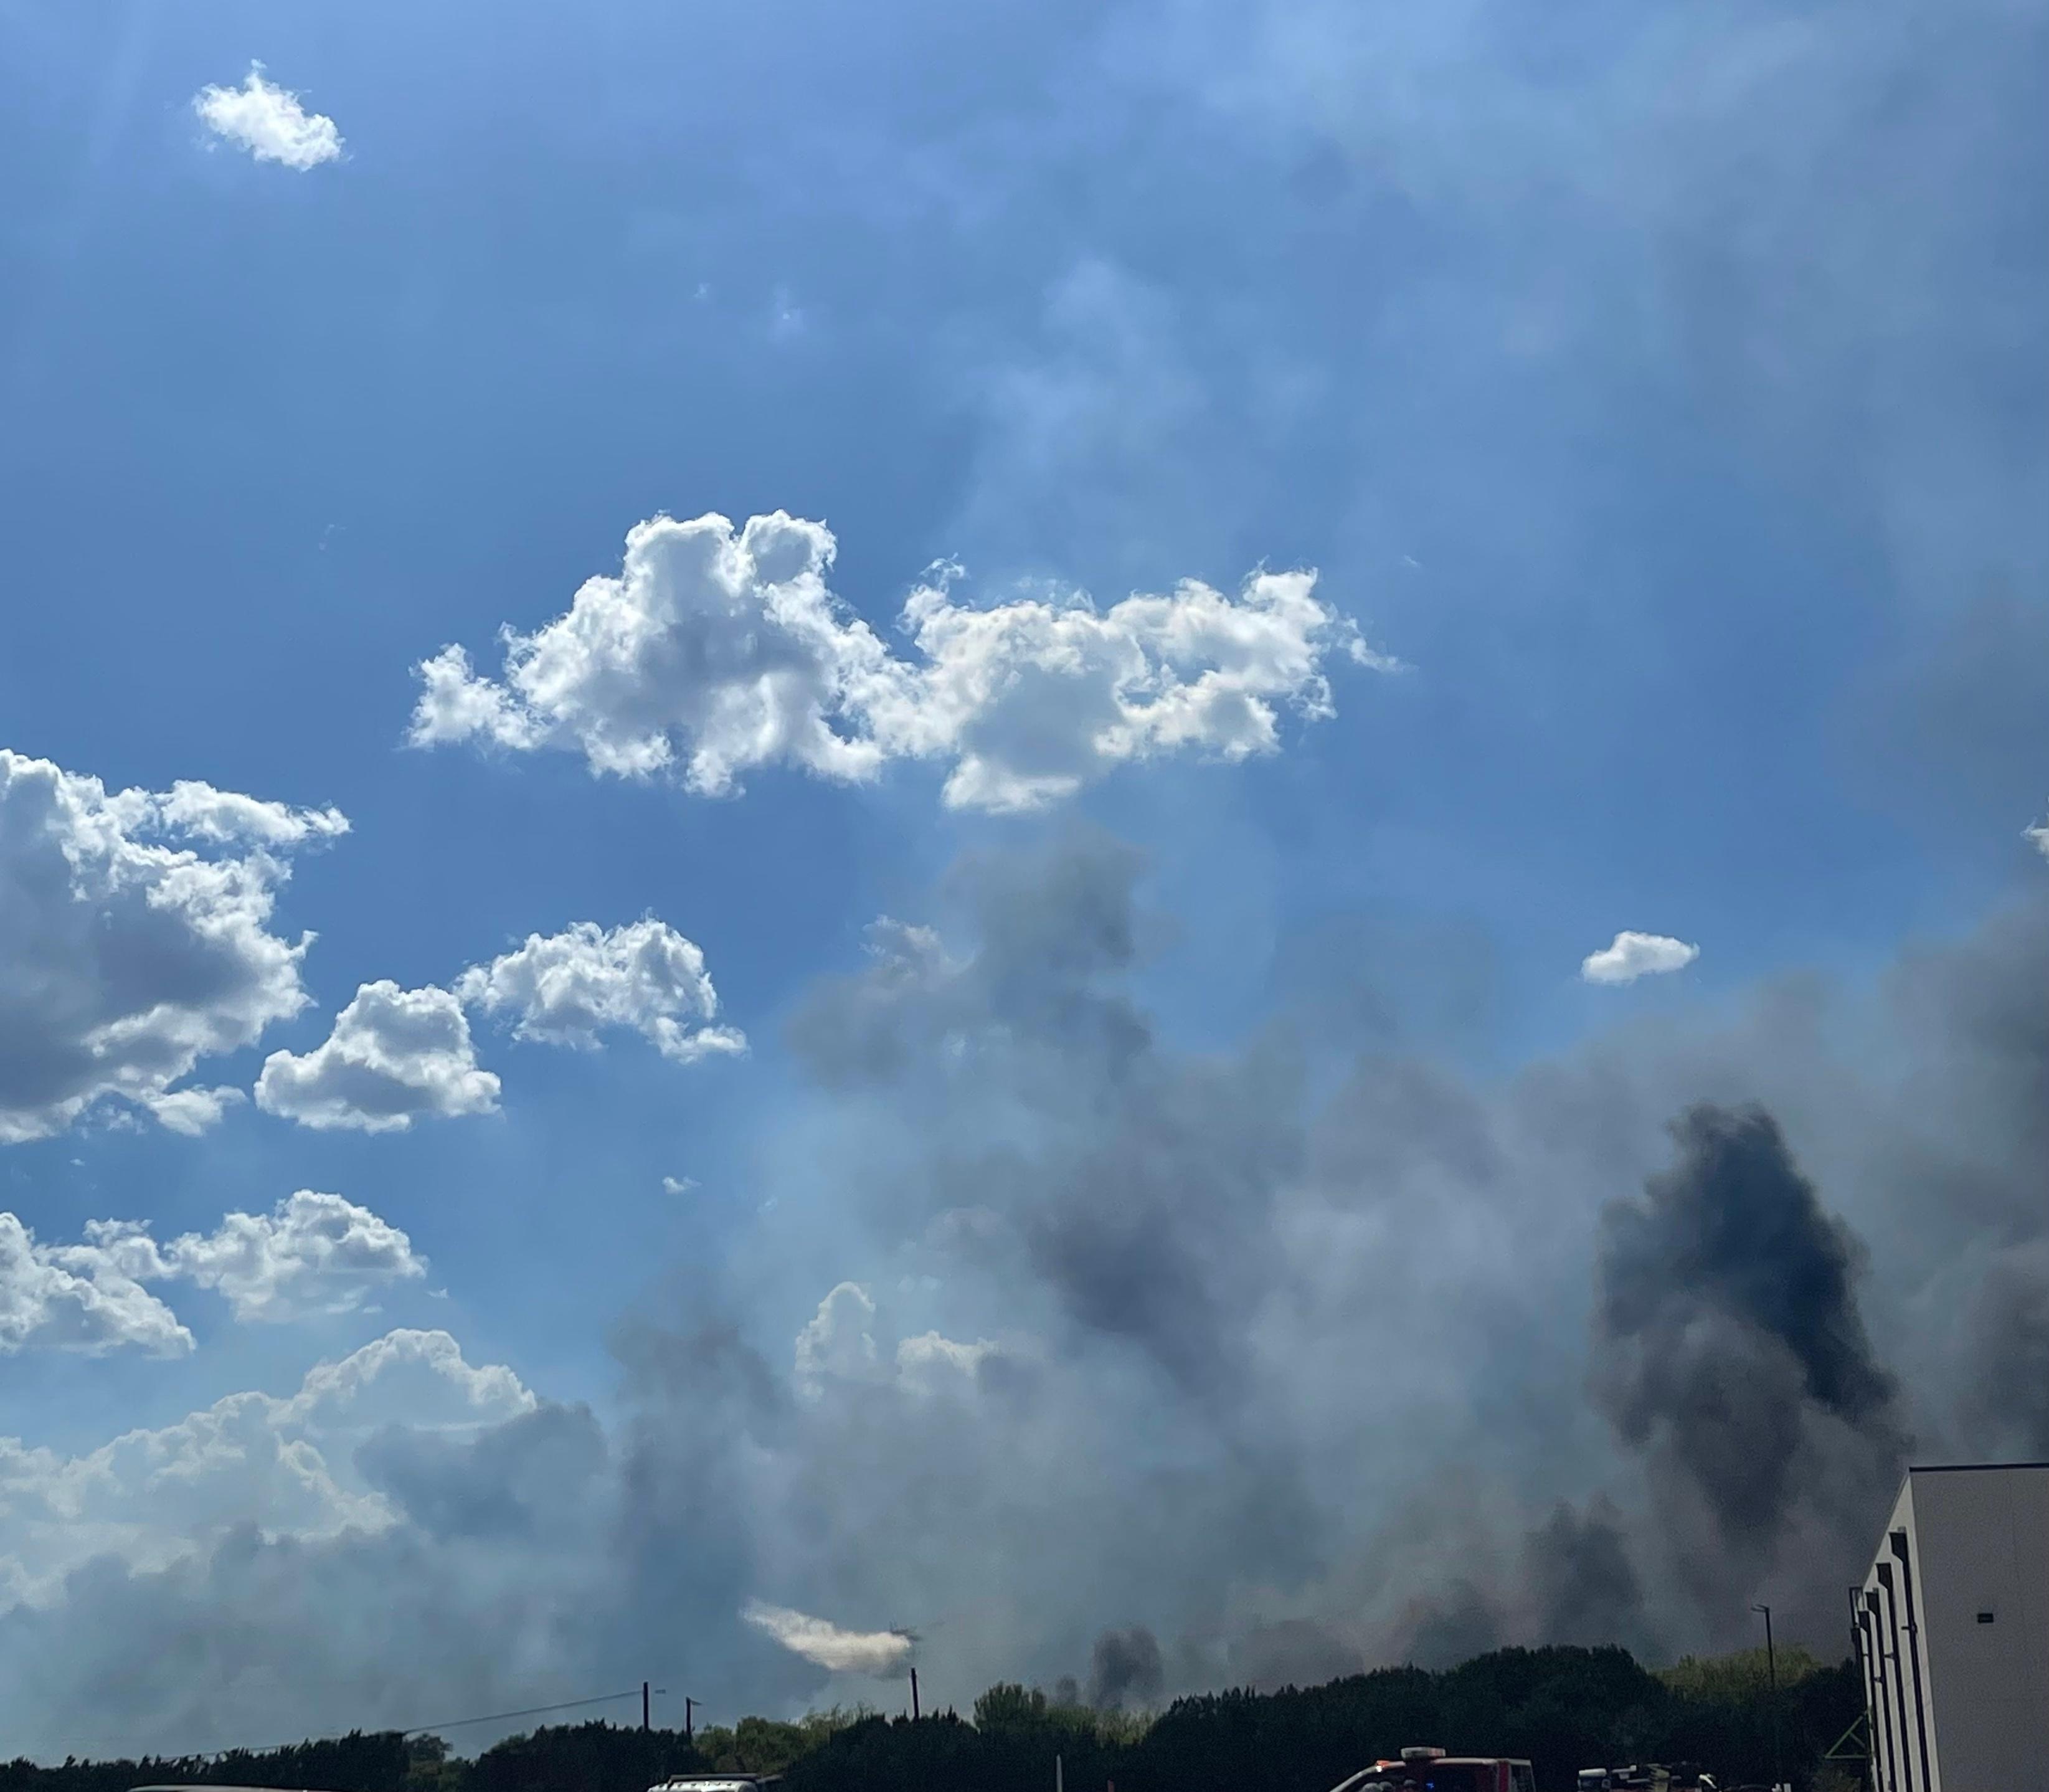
pixel 1771 1670
pixel 689 1730
pixel 643 1708
pixel 914 1695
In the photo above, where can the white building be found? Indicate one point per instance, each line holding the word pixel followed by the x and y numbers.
pixel 1952 1626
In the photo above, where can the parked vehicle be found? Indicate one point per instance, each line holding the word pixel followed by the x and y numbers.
pixel 718 1782
pixel 1374 1778
pixel 1431 1769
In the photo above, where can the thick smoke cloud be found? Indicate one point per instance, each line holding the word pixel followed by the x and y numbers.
pixel 1136 1184
pixel 1288 1364
pixel 1730 1349
pixel 1295 1335
pixel 1586 1586
pixel 1125 1670
pixel 1734 1229
pixel 2008 1353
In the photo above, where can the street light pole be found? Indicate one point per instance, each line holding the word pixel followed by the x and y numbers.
pixel 1771 1670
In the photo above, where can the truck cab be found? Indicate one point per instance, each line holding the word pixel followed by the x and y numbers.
pixel 1431 1769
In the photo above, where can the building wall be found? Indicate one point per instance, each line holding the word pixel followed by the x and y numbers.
pixel 1984 1548
pixel 1895 1769
pixel 1978 1543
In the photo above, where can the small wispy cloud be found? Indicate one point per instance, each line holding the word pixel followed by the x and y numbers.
pixel 269 122
pixel 1637 954
pixel 882 1654
pixel 678 1185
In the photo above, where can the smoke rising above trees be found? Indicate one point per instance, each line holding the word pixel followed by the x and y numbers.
pixel 1730 1352
pixel 1261 1363
pixel 1316 1272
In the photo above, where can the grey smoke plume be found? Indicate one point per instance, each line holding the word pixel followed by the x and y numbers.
pixel 1585 1585
pixel 2007 1361
pixel 882 1654
pixel 1136 1184
pixel 1728 1323
pixel 1125 1670
pixel 1313 1377
pixel 1734 1229
pixel 1303 1320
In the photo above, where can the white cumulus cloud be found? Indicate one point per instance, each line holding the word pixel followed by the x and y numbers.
pixel 1637 954
pixel 715 651
pixel 268 121
pixel 283 1465
pixel 882 1654
pixel 842 1342
pixel 134 940
pixel 568 988
pixel 311 1253
pixel 418 1379
pixel 73 1297
pixel 395 1055
pixel 838 1342
pixel 933 1363
pixel 190 1111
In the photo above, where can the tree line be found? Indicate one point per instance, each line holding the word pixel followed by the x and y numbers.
pixel 1562 1708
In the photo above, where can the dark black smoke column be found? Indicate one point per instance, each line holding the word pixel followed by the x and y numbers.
pixel 1727 1324
pixel 1126 1668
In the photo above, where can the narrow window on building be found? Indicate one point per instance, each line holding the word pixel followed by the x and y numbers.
pixel 1984 1617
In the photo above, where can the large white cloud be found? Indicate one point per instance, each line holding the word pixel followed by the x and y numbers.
pixel 1631 955
pixel 269 122
pixel 311 1253
pixel 714 651
pixel 280 1465
pixel 134 940
pixel 568 988
pixel 395 1057
pixel 75 1297
pixel 840 1344
pixel 419 1379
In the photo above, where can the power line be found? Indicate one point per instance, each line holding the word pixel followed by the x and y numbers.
pixel 414 1730
pixel 501 1716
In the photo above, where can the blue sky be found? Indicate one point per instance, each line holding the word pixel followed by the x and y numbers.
pixel 1663 392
